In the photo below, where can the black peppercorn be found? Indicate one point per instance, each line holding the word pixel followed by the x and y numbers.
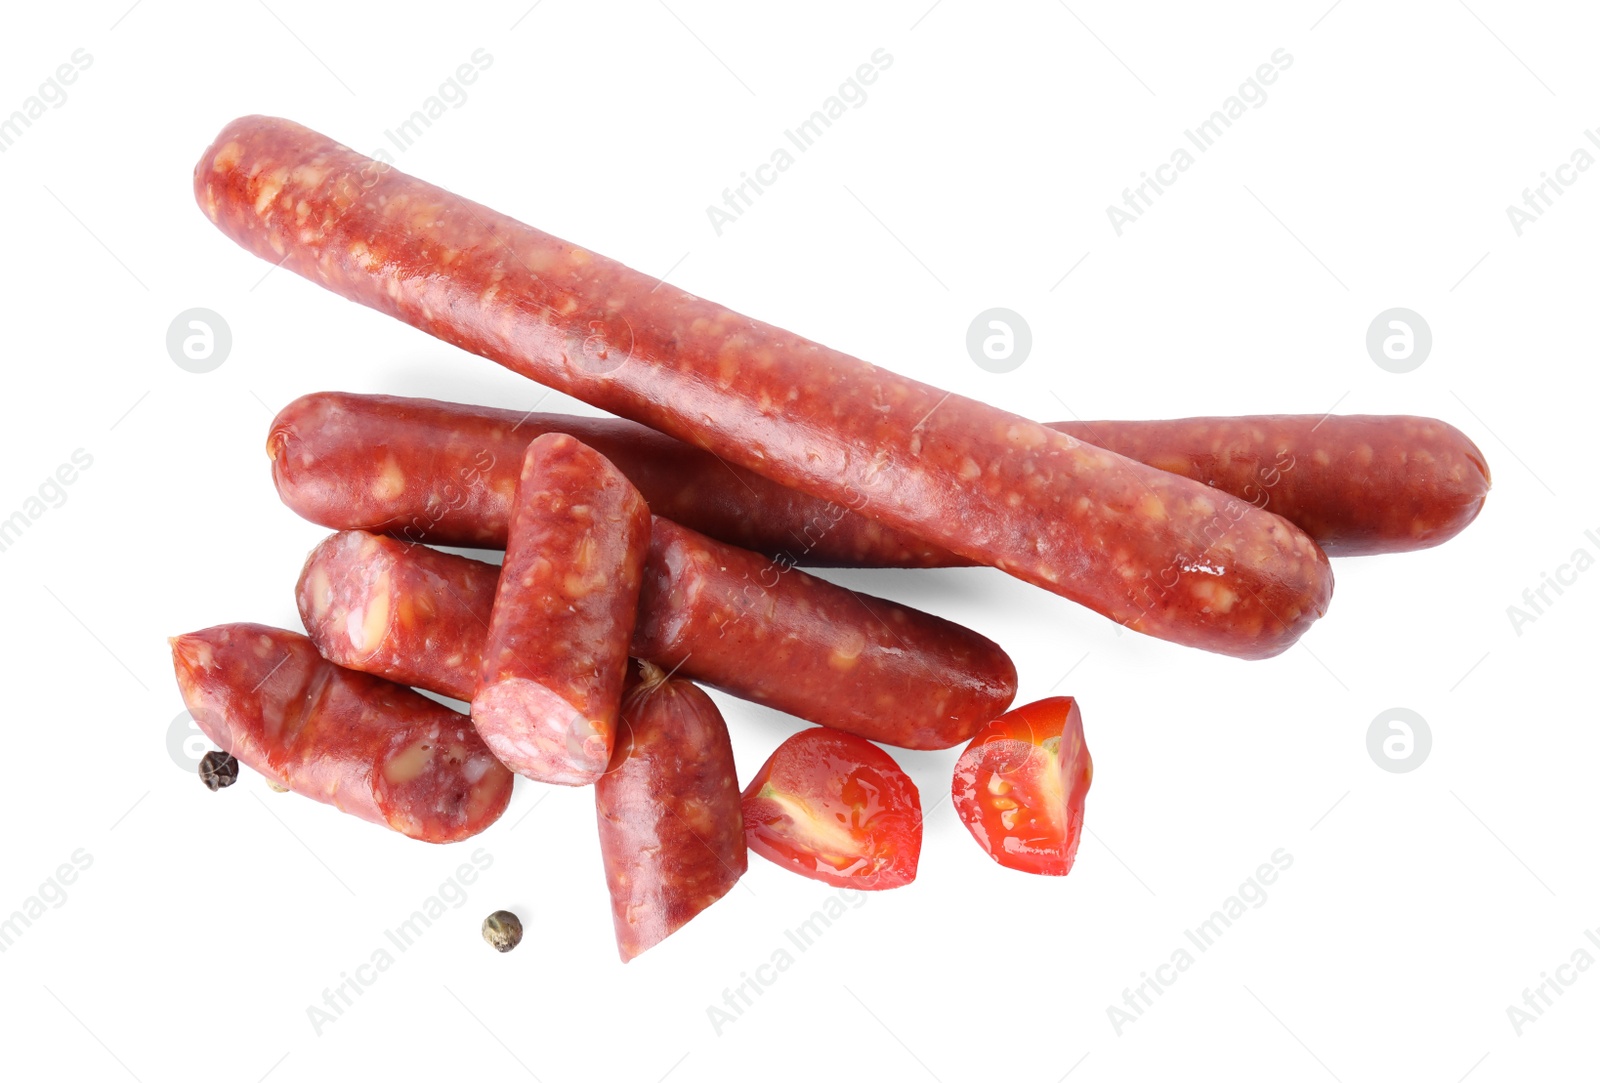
pixel 218 769
pixel 503 930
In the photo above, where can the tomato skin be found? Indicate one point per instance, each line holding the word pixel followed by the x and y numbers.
pixel 1020 785
pixel 837 808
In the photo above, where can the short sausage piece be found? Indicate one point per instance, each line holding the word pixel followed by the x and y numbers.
pixel 1159 553
pixel 720 615
pixel 364 745
pixel 671 831
pixel 553 667
pixel 407 613
pixel 444 472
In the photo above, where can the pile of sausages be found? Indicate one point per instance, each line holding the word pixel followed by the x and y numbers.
pixel 642 555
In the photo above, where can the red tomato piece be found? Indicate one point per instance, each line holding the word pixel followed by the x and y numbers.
pixel 1020 785
pixel 835 807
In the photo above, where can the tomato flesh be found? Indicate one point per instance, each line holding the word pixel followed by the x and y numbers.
pixel 836 808
pixel 1020 786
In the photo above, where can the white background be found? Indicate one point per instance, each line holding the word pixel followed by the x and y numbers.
pixel 1419 906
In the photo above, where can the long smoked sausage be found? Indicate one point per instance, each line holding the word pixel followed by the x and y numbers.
pixel 364 745
pixel 720 615
pixel 444 473
pixel 1159 553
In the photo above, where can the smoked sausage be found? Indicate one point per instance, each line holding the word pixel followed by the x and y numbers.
pixel 444 472
pixel 362 744
pixel 720 615
pixel 1159 553
pixel 553 666
pixel 668 806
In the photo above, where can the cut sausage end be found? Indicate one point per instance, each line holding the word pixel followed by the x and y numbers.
pixel 541 736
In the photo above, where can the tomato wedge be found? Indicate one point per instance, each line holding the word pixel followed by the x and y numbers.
pixel 837 808
pixel 1019 786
